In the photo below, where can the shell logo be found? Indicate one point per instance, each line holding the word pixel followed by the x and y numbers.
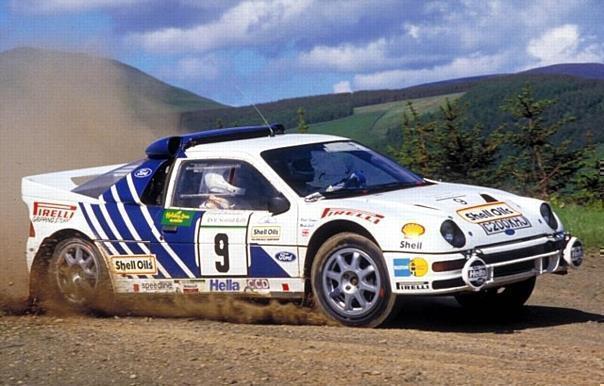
pixel 413 230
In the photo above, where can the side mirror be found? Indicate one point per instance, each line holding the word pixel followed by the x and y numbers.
pixel 278 205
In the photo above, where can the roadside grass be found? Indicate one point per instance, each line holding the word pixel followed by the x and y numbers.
pixel 585 222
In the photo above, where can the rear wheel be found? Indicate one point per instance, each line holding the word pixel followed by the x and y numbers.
pixel 77 275
pixel 350 281
pixel 508 297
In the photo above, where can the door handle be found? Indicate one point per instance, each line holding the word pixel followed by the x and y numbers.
pixel 169 229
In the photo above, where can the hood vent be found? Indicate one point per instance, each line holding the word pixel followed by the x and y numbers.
pixel 488 198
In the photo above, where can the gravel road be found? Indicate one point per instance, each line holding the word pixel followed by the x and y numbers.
pixel 557 339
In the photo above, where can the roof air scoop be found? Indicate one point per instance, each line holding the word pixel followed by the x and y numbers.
pixel 164 148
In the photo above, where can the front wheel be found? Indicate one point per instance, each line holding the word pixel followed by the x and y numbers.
pixel 350 281
pixel 505 298
pixel 78 277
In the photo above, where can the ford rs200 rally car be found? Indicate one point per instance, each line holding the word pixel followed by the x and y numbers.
pixel 256 212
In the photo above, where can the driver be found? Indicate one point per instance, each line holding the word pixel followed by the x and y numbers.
pixel 221 192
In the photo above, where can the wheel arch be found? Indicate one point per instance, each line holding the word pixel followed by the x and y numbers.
pixel 40 263
pixel 327 230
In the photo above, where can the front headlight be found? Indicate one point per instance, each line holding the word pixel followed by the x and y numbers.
pixel 548 215
pixel 452 234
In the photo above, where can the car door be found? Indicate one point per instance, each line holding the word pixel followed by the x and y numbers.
pixel 228 199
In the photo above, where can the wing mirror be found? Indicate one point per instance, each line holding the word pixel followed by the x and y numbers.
pixel 278 205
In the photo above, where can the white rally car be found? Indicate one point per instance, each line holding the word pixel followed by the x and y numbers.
pixel 256 212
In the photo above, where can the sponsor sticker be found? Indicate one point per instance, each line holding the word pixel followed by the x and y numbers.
pixel 258 284
pixel 226 219
pixel 285 256
pixel 177 217
pixel 413 230
pixel 413 286
pixel 405 267
pixel 53 213
pixel 507 225
pixel 406 244
pixel 142 173
pixel 228 285
pixel 189 288
pixel 475 273
pixel 266 232
pixel 134 265
pixel 371 217
pixel 153 286
pixel 487 212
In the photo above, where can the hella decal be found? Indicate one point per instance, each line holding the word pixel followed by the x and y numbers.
pixel 228 285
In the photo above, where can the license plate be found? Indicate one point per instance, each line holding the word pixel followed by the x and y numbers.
pixel 506 224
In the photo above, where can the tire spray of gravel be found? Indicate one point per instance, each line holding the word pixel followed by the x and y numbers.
pixel 212 307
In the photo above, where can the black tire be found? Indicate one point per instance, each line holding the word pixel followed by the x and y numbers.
pixel 506 298
pixel 353 285
pixel 78 278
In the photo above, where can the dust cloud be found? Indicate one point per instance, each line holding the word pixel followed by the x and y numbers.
pixel 58 111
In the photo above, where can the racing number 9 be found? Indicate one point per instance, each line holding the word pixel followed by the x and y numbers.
pixel 221 247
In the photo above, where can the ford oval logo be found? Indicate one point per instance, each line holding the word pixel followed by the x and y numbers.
pixel 285 256
pixel 142 173
pixel 510 232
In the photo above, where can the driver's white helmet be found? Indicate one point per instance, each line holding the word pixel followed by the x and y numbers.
pixel 216 183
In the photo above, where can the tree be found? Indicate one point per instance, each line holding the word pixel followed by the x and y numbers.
pixel 466 154
pixel 538 165
pixel 302 125
pixel 416 150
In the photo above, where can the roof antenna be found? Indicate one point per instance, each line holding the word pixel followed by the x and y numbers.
pixel 257 110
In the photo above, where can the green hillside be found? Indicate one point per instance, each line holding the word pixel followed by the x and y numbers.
pixel 370 124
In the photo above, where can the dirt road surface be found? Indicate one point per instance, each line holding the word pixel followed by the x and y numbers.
pixel 557 339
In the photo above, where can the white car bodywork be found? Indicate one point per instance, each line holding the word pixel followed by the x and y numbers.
pixel 286 242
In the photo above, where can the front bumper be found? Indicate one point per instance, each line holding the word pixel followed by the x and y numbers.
pixel 484 267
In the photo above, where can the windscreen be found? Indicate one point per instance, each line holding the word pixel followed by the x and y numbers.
pixel 100 184
pixel 343 166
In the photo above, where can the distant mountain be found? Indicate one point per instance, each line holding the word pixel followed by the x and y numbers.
pixel 579 70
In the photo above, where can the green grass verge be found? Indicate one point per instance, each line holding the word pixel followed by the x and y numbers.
pixel 587 223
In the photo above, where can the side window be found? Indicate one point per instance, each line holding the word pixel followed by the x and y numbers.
pixel 153 194
pixel 221 184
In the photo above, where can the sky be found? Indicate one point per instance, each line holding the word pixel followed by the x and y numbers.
pixel 251 51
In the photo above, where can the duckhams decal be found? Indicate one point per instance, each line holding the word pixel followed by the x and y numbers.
pixel 53 213
pixel 487 212
pixel 181 218
pixel 371 217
